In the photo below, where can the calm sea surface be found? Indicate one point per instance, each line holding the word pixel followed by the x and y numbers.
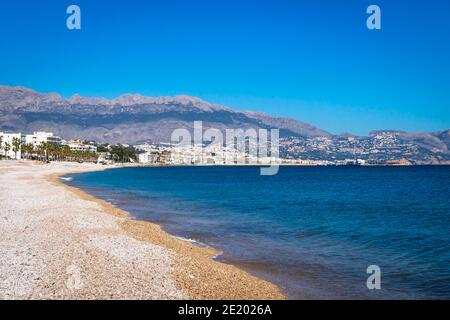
pixel 311 230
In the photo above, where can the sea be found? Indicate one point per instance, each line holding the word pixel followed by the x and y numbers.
pixel 316 232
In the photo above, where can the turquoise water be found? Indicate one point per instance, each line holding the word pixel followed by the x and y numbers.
pixel 311 230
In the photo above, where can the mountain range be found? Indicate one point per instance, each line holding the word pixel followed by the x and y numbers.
pixel 130 119
pixel 137 119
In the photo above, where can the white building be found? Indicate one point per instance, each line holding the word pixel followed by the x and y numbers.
pixel 104 158
pixel 81 147
pixel 8 140
pixel 148 157
pixel 40 137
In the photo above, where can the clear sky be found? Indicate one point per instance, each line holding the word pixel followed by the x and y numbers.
pixel 311 60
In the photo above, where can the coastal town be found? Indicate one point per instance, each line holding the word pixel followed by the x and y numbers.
pixel 379 148
pixel 382 148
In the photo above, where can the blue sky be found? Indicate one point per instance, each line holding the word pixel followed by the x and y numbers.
pixel 311 60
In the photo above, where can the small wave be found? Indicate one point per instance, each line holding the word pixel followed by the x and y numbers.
pixel 215 257
pixel 186 239
pixel 200 245
pixel 66 178
pixel 194 242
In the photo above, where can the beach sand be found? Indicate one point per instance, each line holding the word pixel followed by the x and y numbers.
pixel 57 242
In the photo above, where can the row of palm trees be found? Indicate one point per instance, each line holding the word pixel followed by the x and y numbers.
pixel 7 147
pixel 46 152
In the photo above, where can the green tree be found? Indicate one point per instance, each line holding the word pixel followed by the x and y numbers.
pixel 27 150
pixel 66 153
pixel 41 151
pixel 17 143
pixel 123 154
pixel 7 148
pixel 103 148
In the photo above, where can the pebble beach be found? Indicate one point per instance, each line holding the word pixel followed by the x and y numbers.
pixel 57 242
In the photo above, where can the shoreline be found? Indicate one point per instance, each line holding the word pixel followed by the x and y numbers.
pixel 195 272
pixel 137 165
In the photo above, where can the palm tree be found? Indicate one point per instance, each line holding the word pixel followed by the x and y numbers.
pixel 66 153
pixel 40 151
pixel 17 143
pixel 27 149
pixel 7 148
pixel 45 149
pixel 30 148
